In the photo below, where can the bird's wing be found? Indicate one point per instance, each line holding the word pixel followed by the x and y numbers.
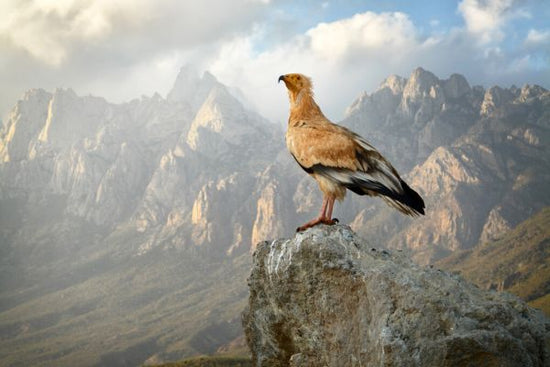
pixel 349 161
pixel 341 155
pixel 316 144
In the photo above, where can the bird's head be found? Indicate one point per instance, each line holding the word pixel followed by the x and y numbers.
pixel 295 83
pixel 299 86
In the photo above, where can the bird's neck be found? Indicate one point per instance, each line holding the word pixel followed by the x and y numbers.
pixel 303 106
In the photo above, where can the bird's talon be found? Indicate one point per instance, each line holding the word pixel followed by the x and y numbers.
pixel 335 220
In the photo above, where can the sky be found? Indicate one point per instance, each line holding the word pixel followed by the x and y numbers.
pixel 123 49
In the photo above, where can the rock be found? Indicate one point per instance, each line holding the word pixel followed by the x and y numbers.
pixel 23 125
pixel 419 85
pixel 494 97
pixel 395 83
pixel 456 86
pixel 327 298
pixel 71 118
pixel 190 88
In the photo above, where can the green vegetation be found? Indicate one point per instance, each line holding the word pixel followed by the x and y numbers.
pixel 518 263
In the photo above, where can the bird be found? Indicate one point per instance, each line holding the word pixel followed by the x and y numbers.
pixel 338 158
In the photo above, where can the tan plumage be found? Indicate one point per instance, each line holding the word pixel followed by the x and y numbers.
pixel 338 159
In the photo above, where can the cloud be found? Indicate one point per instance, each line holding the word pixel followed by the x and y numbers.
pixel 334 54
pixel 48 30
pixel 535 37
pixel 53 31
pixel 362 31
pixel 117 49
pixel 350 55
pixel 487 18
pixel 122 49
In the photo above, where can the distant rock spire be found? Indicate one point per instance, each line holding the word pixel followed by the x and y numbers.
pixel 189 87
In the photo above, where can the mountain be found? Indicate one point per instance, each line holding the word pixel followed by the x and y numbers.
pixel 126 229
pixel 517 263
pixel 479 158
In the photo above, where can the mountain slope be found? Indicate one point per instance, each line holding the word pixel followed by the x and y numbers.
pixel 127 311
pixel 116 241
pixel 519 262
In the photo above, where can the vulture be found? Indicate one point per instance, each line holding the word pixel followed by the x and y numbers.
pixel 339 159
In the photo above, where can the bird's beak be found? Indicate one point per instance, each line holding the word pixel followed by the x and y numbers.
pixel 282 77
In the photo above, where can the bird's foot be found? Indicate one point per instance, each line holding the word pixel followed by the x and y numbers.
pixel 316 221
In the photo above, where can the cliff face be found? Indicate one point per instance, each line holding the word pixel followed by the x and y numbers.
pixel 326 298
pixel 479 158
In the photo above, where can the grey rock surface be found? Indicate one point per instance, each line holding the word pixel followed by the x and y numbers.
pixel 327 298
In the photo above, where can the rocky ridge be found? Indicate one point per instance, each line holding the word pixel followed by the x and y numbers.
pixel 478 157
pixel 327 298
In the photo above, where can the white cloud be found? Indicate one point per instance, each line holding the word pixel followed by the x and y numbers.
pixel 487 18
pixel 122 49
pixel 362 31
pixel 110 48
pixel 537 37
pixel 350 55
pixel 54 30
pixel 334 54
pixel 48 29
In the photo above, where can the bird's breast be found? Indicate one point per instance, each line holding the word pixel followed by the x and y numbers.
pixel 290 142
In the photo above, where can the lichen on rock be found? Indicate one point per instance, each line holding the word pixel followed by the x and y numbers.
pixel 327 298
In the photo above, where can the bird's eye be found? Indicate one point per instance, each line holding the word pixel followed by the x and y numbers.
pixel 298 78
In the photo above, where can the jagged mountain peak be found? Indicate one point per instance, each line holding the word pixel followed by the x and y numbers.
pixel 422 90
pixel 69 92
pixel 187 75
pixel 34 93
pixel 221 124
pixel 209 77
pixel 456 86
pixel 531 91
pixel 419 84
pixel 218 109
pixel 395 83
pixel 23 124
pixel 422 75
pixel 494 98
pixel 191 88
pixel 220 102
pixel 497 96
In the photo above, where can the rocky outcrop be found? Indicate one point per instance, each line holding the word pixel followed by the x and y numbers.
pixel 326 298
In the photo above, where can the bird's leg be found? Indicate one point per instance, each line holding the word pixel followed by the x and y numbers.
pixel 328 214
pixel 328 203
pixel 317 220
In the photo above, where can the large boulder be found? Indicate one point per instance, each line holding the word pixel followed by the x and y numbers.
pixel 327 298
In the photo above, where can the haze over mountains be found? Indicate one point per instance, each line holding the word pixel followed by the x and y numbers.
pixel 126 229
